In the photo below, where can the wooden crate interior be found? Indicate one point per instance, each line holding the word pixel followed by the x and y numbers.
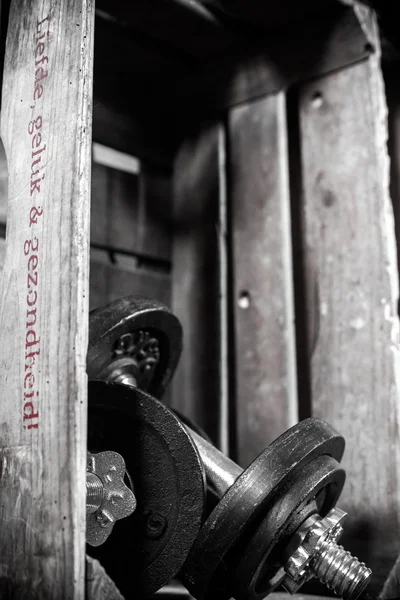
pixel 217 189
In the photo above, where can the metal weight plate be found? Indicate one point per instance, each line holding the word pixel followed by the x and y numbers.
pixel 148 548
pixel 316 487
pixel 134 340
pixel 254 489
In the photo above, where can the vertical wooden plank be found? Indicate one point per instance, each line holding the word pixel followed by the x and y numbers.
pixel 352 275
pixel 266 398
pixel 195 277
pixel 114 208
pixel 225 411
pixel 109 281
pixel 3 185
pixel 46 130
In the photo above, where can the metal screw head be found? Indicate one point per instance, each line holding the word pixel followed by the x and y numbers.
pixel 116 500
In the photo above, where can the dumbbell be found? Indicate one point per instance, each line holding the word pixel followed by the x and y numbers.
pixel 284 519
pixel 275 524
pixel 134 339
pixel 289 493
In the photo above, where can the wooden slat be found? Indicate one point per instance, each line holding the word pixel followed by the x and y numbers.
pixel 132 73
pixel 352 294
pixel 114 208
pixel 2 254
pixel 46 129
pixel 109 281
pixel 266 397
pixel 195 277
pixel 3 184
pixel 133 213
pixel 154 227
pixel 273 63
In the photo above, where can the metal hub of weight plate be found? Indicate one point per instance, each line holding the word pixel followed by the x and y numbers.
pixel 316 488
pixel 134 340
pixel 147 549
pixel 256 488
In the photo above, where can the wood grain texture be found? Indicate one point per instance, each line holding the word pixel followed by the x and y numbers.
pixel 266 397
pixel 3 184
pixel 2 254
pixel 114 208
pixel 132 213
pixel 46 131
pixel 154 226
pixel 195 277
pixel 122 277
pixel 98 584
pixel 269 65
pixel 352 281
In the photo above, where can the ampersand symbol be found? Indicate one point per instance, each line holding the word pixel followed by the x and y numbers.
pixel 34 214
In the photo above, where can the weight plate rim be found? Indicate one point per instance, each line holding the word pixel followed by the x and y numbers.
pixel 323 439
pixel 328 473
pixel 121 398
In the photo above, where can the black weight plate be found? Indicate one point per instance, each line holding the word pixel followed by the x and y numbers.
pixel 134 336
pixel 253 490
pixel 256 572
pixel 147 549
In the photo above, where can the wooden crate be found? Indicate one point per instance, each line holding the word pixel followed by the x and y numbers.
pixel 238 172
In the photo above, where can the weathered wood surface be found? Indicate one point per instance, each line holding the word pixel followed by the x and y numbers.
pixel 154 227
pixel 273 63
pixel 131 233
pixel 131 73
pixel 114 208
pixel 110 280
pixel 265 354
pixel 132 212
pixel 3 184
pixel 352 280
pixel 2 254
pixel 99 586
pixel 46 131
pixel 195 277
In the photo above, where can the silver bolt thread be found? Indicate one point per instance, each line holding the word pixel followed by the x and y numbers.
pixel 340 571
pixel 94 493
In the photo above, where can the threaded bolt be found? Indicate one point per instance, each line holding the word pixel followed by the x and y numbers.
pixel 94 493
pixel 320 556
pixel 340 571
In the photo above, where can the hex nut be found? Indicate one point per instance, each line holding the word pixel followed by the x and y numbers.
pixel 297 567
